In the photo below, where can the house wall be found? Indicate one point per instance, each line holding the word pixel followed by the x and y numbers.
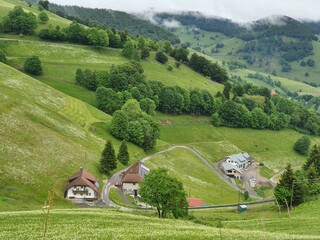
pixel 130 187
pixel 91 193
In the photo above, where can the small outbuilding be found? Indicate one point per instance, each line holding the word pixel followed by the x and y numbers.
pixel 194 202
pixel 82 185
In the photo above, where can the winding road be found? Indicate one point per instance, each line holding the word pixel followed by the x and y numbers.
pixel 117 176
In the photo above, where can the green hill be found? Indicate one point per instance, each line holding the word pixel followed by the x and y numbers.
pixel 257 57
pixel 80 127
pixel 45 137
pixel 60 62
pixel 8 5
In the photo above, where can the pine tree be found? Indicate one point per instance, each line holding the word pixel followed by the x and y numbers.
pixel 108 160
pixel 288 190
pixel 123 155
pixel 226 90
pixel 314 159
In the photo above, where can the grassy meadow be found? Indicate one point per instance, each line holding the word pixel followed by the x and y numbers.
pixel 198 180
pixel 302 220
pixel 112 224
pixel 8 5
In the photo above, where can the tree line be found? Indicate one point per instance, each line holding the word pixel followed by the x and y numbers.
pixel 114 19
pixel 276 112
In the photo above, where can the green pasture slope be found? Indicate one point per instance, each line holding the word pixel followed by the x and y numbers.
pixel 112 224
pixel 8 5
pixel 273 148
pixel 292 80
pixel 198 180
pixel 303 220
pixel 45 137
pixel 61 60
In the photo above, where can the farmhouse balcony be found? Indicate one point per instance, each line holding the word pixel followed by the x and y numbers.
pixel 80 191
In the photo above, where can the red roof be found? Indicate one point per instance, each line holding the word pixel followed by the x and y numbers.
pixel 273 92
pixel 194 202
pixel 82 178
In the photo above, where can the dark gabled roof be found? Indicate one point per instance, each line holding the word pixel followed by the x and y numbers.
pixel 85 174
pixel 135 173
pixel 82 178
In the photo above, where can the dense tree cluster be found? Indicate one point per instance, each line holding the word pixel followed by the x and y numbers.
pixel 207 68
pixel 132 124
pixel 289 50
pixel 19 21
pixel 275 112
pixel 240 105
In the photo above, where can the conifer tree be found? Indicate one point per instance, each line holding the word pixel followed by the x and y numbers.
pixel 108 160
pixel 123 155
pixel 288 191
pixel 314 158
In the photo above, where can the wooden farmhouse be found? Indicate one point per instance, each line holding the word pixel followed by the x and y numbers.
pixel 82 185
pixel 132 177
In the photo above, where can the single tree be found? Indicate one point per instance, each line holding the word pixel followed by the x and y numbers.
pixel 165 193
pixel 3 58
pixel 161 57
pixel 302 145
pixel 314 158
pixel 33 66
pixel 123 155
pixel 145 53
pixel 227 90
pixel 119 125
pixel 288 191
pixel 128 49
pixel 43 17
pixel 108 160
pixel 98 38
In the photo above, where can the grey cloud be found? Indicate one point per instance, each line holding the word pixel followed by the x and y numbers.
pixel 238 10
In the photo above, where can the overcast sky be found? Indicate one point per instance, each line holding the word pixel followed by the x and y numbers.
pixel 238 10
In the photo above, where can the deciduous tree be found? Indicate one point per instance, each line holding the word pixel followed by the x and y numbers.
pixel 302 145
pixel 165 193
pixel 33 66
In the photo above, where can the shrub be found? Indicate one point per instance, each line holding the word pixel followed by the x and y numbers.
pixel 161 57
pixel 302 145
pixel 3 58
pixel 33 66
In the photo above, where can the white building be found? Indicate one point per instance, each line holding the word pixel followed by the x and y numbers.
pixel 82 185
pixel 241 160
pixel 132 177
